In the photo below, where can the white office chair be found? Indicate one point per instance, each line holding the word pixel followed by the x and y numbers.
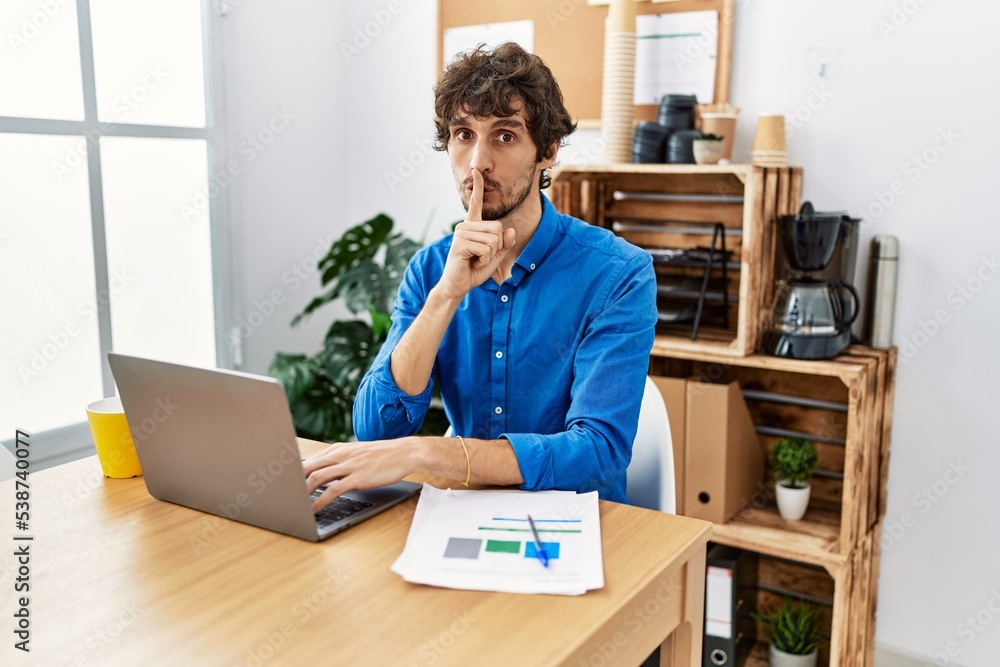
pixel 7 464
pixel 650 481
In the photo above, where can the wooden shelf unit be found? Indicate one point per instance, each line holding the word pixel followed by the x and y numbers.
pixel 839 533
pixel 847 599
pixel 848 412
pixel 672 203
pixel 844 506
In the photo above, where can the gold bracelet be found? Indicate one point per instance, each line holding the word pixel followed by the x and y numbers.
pixel 468 462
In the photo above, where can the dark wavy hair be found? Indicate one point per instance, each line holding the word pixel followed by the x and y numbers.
pixel 493 83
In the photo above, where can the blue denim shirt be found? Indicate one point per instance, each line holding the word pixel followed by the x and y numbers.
pixel 554 359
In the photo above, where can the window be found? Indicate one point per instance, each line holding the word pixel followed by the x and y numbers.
pixel 109 232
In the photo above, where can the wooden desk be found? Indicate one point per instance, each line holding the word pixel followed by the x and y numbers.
pixel 118 578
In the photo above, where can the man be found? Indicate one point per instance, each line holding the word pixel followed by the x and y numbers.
pixel 536 326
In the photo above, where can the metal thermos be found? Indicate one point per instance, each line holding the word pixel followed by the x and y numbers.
pixel 883 263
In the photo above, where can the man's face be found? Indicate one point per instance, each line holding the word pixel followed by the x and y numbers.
pixel 503 151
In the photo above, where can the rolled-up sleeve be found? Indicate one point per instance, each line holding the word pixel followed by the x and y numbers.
pixel 381 409
pixel 610 370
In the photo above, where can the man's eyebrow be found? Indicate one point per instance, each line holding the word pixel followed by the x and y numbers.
pixel 509 122
pixel 499 122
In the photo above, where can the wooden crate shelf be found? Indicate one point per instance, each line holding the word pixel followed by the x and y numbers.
pixel 832 553
pixel 848 500
pixel 846 598
pixel 674 203
pixel 759 656
pixel 814 540
pixel 836 543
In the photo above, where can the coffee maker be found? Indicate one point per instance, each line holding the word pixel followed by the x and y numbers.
pixel 814 303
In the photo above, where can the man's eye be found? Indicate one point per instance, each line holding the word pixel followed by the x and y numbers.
pixel 463 135
pixel 506 138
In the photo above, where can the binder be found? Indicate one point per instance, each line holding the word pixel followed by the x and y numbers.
pixel 730 592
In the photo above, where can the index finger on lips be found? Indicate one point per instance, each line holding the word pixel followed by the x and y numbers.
pixel 476 199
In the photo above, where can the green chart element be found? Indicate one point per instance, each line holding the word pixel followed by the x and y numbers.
pixel 503 547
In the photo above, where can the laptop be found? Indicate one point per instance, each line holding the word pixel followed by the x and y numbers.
pixel 223 442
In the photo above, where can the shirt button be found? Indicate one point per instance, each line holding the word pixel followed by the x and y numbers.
pixel 498 409
pixel 532 267
pixel 503 298
pixel 499 354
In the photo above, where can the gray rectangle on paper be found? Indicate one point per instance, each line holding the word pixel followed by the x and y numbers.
pixel 461 547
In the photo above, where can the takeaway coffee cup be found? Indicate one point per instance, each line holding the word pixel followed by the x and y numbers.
pixel 112 439
pixel 770 136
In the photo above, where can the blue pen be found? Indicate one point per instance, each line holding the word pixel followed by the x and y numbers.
pixel 539 549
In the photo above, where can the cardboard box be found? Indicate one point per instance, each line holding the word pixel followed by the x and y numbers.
pixel 723 458
pixel 718 459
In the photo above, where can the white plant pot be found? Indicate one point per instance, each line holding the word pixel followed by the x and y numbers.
pixel 707 151
pixel 782 659
pixel 792 502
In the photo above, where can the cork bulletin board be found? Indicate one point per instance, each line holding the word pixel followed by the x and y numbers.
pixel 569 37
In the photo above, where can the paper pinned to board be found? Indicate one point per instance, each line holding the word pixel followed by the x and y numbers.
pixel 480 540
pixel 468 37
pixel 676 54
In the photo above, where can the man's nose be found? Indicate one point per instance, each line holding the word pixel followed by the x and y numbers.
pixel 482 157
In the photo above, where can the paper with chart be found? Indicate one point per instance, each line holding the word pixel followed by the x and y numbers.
pixel 676 54
pixel 481 540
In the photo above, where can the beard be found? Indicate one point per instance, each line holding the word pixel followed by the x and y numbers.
pixel 509 198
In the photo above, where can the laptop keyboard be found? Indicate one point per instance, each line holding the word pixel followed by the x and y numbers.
pixel 339 509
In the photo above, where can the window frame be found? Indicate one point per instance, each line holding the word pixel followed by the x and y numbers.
pixel 74 441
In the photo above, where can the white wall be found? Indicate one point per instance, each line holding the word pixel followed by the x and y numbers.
pixel 887 99
pixel 893 94
pixel 394 169
pixel 289 201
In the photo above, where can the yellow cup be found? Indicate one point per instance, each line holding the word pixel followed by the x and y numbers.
pixel 113 441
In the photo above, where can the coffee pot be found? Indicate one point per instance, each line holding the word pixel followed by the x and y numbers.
pixel 812 312
pixel 814 308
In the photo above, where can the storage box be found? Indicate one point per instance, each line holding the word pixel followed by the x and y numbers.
pixel 723 459
pixel 718 459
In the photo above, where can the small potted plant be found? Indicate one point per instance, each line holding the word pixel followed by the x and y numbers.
pixel 793 631
pixel 793 460
pixel 708 149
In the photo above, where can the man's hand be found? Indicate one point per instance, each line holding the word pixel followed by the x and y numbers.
pixel 351 466
pixel 477 247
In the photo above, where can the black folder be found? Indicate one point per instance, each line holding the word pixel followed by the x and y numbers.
pixel 730 594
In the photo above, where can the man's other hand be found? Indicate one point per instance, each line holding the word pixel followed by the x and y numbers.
pixel 349 466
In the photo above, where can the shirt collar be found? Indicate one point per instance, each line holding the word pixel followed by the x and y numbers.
pixel 539 245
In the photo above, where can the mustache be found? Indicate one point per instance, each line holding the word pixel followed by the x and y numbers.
pixel 493 185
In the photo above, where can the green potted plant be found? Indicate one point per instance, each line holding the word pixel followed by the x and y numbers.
pixel 708 149
pixel 363 268
pixel 793 461
pixel 793 633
